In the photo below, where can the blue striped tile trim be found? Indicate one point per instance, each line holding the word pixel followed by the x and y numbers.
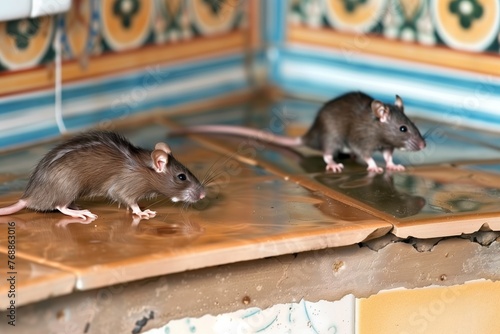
pixel 73 123
pixel 325 91
pixel 123 84
pixel 274 14
pixel 119 83
pixel 382 69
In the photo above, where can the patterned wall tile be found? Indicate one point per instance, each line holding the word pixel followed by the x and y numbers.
pixel 26 43
pixel 409 21
pixel 81 30
pixel 470 25
pixel 107 47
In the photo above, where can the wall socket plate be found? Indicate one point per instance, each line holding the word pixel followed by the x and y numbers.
pixel 19 9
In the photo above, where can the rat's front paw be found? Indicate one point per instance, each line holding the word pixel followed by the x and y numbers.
pixel 146 214
pixel 396 168
pixel 334 167
pixel 375 169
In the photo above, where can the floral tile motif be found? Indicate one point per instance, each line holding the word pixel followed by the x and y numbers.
pixel 92 27
pixel 457 24
pixel 26 43
pixel 302 317
pixel 466 25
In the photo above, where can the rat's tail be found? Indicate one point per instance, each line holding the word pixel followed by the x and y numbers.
pixel 242 132
pixel 8 210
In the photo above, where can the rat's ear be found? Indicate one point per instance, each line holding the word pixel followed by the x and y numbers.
pixel 380 111
pixel 164 147
pixel 399 103
pixel 160 160
pixel 160 157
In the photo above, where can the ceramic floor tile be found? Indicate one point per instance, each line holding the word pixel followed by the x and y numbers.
pixel 32 281
pixel 239 220
pixel 424 202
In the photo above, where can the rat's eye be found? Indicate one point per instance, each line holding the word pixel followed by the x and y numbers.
pixel 182 177
pixel 403 128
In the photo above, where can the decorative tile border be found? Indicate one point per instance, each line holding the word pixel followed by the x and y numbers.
pixel 468 25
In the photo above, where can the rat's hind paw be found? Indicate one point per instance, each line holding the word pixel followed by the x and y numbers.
pixel 83 214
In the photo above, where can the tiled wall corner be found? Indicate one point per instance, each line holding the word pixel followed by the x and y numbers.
pixel 469 308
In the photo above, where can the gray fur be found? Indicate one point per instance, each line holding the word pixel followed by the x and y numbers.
pixel 104 164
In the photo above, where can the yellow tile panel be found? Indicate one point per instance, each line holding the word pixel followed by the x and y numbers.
pixel 462 309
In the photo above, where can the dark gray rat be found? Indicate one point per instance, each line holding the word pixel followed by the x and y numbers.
pixel 353 122
pixel 100 163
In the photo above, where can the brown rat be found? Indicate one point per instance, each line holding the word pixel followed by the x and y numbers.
pixel 354 122
pixel 100 163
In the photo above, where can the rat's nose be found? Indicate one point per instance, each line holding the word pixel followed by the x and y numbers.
pixel 422 145
pixel 202 195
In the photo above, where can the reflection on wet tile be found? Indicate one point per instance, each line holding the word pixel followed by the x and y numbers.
pixel 380 191
pixel 428 202
pixel 26 281
pixel 241 219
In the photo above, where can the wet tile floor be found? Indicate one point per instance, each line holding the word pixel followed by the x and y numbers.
pixel 265 201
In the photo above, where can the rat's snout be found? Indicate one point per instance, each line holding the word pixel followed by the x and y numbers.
pixel 415 144
pixel 202 194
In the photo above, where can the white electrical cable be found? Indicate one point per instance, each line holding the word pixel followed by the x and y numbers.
pixel 58 79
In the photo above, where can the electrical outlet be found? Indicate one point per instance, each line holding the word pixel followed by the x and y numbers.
pixel 10 10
